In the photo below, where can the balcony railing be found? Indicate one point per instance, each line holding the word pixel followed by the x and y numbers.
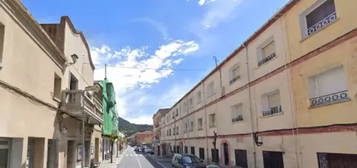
pixel 79 104
pixel 266 59
pixel 238 118
pixel 333 98
pixel 322 23
pixel 272 111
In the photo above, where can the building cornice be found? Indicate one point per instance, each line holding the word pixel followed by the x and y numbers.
pixel 24 19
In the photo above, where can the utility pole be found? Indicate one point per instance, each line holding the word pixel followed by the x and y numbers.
pixel 105 72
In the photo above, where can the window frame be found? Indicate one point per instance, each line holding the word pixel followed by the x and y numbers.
pixel 210 123
pixel 232 78
pixel 260 53
pixel 266 106
pixel 303 20
pixel 2 43
pixel 236 119
pixel 54 95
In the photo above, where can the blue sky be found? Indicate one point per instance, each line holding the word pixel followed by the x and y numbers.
pixel 157 50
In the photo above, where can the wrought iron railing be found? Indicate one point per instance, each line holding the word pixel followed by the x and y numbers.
pixel 332 98
pixel 238 118
pixel 322 23
pixel 266 59
pixel 272 111
pixel 234 79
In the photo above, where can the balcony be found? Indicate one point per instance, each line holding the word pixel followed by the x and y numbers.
pixel 322 23
pixel 272 111
pixel 333 98
pixel 78 103
pixel 266 59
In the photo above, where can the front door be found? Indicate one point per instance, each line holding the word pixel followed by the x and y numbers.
pixel 226 153
pixel 4 153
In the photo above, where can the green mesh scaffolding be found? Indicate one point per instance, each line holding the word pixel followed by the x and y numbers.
pixel 110 117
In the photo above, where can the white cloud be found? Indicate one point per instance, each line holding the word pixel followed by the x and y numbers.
pixel 203 2
pixel 133 69
pixel 142 119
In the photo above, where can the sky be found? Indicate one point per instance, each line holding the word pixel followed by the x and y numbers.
pixel 157 50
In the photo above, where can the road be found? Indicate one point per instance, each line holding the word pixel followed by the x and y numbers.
pixel 132 159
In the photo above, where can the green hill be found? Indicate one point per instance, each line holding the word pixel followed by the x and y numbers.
pixel 130 128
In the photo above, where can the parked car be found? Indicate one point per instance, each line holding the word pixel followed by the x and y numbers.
pixel 186 161
pixel 149 150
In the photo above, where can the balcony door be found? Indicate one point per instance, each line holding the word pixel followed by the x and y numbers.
pixel 73 85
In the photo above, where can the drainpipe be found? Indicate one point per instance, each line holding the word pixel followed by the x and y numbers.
pixel 206 125
pixel 250 107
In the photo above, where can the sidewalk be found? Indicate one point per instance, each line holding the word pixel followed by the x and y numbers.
pixel 107 164
pixel 116 160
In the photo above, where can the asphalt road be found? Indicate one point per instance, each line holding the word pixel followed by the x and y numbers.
pixel 132 159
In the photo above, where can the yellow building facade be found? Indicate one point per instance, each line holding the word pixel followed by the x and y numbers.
pixel 285 98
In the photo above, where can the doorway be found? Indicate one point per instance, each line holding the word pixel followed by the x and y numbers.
pixel 35 152
pixel 4 153
pixel 52 154
pixel 96 155
pixel 70 154
pixel 226 154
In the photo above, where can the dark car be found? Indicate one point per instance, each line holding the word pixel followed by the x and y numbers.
pixel 186 161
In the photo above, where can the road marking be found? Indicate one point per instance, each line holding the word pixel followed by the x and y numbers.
pixel 138 161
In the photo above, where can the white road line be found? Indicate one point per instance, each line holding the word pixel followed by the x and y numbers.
pixel 138 161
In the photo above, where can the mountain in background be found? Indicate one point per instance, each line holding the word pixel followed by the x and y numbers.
pixel 130 128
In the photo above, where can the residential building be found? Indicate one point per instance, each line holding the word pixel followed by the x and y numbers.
pixel 285 98
pixel 157 131
pixel 51 113
pixel 142 138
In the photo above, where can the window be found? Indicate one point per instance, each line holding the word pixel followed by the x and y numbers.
pixel 241 158
pixel 212 120
pixel 192 150
pixel 328 87
pixel 186 127
pixel 186 149
pixel 327 160
pixel 234 74
pixel 199 97
pixel 271 103
pixel 191 126
pixel 273 159
pixel 2 37
pixel 201 152
pixel 319 16
pixel 190 102
pixel 210 89
pixel 57 87
pixel 237 112
pixel 266 52
pixel 200 124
